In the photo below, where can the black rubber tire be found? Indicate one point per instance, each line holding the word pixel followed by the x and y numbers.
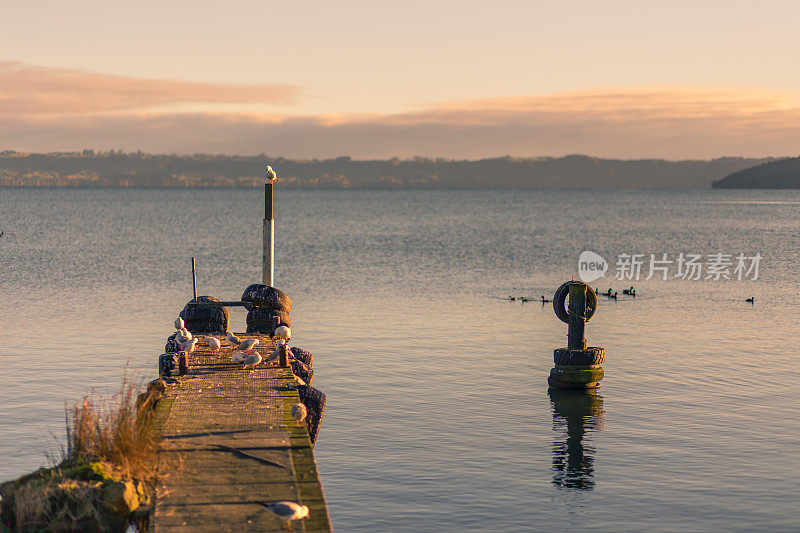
pixel 560 299
pixel 166 364
pixel 200 316
pixel 302 371
pixel 590 356
pixel 207 327
pixel 267 296
pixel 314 400
pixel 264 314
pixel 302 355
pixel 264 324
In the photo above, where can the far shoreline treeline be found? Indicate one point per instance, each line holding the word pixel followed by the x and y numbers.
pixel 89 168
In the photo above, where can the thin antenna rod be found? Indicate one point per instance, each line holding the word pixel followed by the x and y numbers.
pixel 194 282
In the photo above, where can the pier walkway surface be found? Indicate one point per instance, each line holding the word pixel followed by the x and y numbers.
pixel 230 447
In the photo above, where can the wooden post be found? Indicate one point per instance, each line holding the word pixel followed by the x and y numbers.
pixel 183 364
pixel 577 317
pixel 283 356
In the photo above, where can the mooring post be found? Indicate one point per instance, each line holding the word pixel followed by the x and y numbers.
pixel 183 364
pixel 576 366
pixel 283 356
pixel 577 317
pixel 194 282
pixel 268 264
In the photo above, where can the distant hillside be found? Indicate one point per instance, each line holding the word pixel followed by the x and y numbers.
pixel 98 169
pixel 782 174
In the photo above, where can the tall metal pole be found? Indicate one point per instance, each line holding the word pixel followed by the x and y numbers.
pixel 268 264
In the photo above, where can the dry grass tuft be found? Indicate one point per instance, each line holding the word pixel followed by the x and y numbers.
pixel 114 432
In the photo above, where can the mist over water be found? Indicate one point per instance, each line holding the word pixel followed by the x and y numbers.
pixel 438 415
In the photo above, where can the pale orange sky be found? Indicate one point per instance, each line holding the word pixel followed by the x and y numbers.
pixel 373 79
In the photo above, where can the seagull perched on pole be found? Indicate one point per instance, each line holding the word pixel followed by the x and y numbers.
pixel 271 175
pixel 283 333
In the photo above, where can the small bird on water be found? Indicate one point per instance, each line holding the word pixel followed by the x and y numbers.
pixel 299 412
pixel 287 511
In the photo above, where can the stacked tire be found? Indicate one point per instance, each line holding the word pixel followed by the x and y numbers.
pixel 577 369
pixel 269 308
pixel 205 319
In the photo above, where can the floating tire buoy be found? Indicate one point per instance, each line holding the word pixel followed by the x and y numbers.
pixel 576 375
pixel 590 356
pixel 560 299
pixel 202 319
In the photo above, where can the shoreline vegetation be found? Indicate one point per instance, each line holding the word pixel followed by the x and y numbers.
pixel 89 168
pixel 105 477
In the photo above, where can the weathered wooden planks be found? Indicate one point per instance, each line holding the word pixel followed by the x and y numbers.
pixel 230 445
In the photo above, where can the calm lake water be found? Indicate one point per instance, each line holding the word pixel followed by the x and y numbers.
pixel 438 416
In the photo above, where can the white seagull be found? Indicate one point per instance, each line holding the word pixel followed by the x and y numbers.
pixel 189 346
pixel 299 412
pixel 213 343
pixel 288 511
pixel 273 177
pixel 238 357
pixel 233 339
pixel 252 360
pixel 247 345
pixel 179 323
pixel 283 332
pixel 277 352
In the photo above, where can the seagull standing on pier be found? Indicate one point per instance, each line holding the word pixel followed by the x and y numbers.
pixel 238 357
pixel 288 511
pixel 233 339
pixel 277 352
pixel 299 412
pixel 213 343
pixel 247 345
pixel 252 361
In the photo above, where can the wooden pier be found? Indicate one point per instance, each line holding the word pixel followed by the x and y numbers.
pixel 230 448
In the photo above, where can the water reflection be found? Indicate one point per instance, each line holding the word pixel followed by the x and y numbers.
pixel 578 412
